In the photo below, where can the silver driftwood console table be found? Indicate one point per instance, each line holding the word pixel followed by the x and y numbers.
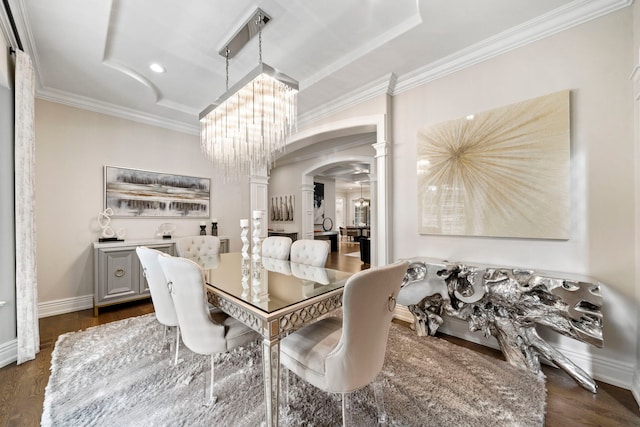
pixel 508 304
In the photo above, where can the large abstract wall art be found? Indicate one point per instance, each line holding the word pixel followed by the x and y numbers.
pixel 499 173
pixel 137 193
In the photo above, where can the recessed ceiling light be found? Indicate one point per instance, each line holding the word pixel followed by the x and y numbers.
pixel 155 67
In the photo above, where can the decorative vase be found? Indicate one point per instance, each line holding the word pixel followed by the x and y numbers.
pixel 214 226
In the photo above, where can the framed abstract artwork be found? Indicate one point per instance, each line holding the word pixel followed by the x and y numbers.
pixel 283 208
pixel 499 173
pixel 138 193
pixel 318 203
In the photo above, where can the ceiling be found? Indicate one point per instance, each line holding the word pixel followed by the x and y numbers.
pixel 95 54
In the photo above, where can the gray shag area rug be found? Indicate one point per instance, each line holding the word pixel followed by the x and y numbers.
pixel 120 374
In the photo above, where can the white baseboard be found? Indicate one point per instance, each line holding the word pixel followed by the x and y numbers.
pixel 8 352
pixel 635 388
pixel 62 306
pixel 600 368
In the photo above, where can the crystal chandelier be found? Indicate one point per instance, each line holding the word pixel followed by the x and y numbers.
pixel 361 202
pixel 246 127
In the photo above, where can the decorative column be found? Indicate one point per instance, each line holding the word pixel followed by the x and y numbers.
pixel 259 190
pixel 307 208
pixel 381 193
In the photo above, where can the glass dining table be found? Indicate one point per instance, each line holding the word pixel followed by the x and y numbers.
pixel 272 297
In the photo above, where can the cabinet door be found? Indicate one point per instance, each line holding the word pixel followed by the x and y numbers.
pixel 224 246
pixel 118 272
pixel 144 286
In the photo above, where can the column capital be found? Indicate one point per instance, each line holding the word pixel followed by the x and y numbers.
pixel 382 148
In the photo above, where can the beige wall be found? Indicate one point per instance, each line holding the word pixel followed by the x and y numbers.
pixel 72 146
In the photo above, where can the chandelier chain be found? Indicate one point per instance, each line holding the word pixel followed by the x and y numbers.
pixel 260 39
pixel 227 67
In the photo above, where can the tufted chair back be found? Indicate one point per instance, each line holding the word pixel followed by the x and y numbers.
pixel 276 247
pixel 198 248
pixel 311 252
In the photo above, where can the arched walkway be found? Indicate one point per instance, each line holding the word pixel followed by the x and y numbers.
pixel 379 169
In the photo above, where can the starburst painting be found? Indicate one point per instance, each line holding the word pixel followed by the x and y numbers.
pixel 500 173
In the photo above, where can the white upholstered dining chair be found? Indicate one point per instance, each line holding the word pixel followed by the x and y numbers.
pixel 311 252
pixel 276 247
pixel 202 331
pixel 341 355
pixel 162 303
pixel 198 248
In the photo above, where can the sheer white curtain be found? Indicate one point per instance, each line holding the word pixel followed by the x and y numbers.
pixel 26 280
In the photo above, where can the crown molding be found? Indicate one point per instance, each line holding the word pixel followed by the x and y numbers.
pixel 84 103
pixel 556 21
pixel 384 85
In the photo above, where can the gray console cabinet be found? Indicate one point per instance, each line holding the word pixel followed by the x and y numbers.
pixel 118 275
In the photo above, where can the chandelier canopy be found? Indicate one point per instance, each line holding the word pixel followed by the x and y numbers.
pixel 246 127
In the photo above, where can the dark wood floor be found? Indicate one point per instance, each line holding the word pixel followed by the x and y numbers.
pixel 568 405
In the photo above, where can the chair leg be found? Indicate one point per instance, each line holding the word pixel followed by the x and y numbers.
pixel 379 396
pixel 164 340
pixel 346 410
pixel 175 363
pixel 211 399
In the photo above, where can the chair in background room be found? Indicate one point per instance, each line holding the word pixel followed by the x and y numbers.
pixel 276 247
pixel 203 332
pixel 162 302
pixel 311 252
pixel 341 355
pixel 343 233
pixel 200 249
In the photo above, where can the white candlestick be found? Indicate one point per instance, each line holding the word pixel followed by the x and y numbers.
pixel 244 231
pixel 257 214
pixel 256 239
